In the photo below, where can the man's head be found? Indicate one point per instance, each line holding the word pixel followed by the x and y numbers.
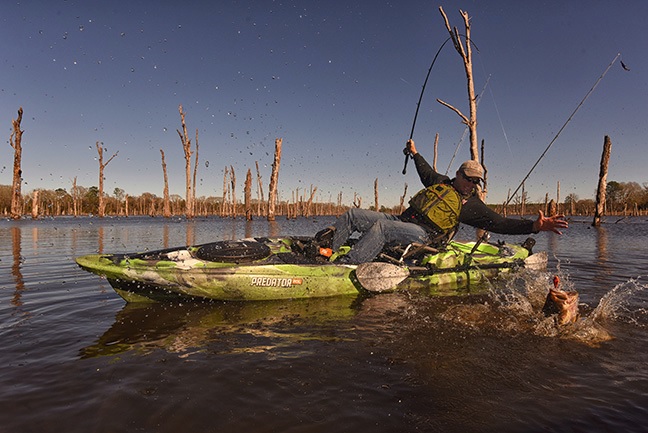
pixel 473 170
pixel 469 175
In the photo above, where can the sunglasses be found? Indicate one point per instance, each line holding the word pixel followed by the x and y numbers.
pixel 474 180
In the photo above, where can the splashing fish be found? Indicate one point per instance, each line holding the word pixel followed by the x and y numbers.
pixel 562 303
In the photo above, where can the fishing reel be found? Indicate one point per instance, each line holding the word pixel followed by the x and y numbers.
pixel 408 155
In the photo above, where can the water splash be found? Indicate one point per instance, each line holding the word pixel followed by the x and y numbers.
pixel 514 306
pixel 615 304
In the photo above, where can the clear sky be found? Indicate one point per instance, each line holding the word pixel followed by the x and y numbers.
pixel 337 80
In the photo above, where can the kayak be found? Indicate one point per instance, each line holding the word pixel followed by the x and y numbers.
pixel 279 268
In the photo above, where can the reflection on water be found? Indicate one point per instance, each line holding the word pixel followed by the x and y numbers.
pixel 391 362
pixel 186 328
pixel 15 268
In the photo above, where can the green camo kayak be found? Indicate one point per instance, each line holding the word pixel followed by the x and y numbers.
pixel 272 269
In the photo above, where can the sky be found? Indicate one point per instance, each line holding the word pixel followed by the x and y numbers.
pixel 338 81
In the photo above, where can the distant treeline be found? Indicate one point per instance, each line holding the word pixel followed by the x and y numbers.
pixel 622 198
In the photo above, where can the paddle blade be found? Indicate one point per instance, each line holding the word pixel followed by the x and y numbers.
pixel 537 261
pixel 380 277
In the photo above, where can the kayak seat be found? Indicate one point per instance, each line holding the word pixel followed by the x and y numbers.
pixel 233 251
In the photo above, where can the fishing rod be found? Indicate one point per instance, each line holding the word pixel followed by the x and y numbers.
pixel 406 151
pixel 418 104
pixel 563 127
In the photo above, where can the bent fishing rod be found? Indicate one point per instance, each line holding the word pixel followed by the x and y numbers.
pixel 418 104
pixel 571 116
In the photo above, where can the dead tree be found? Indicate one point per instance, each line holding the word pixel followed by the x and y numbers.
pixel 401 206
pixel 602 184
pixel 248 195
pixel 436 151
pixel 309 204
pixel 552 209
pixel 75 198
pixel 34 210
pixel 357 200
pixel 186 145
pixel 465 51
pixel 193 191
pixel 15 140
pixel 233 184
pixel 102 204
pixel 376 194
pixel 483 164
pixel 274 178
pixel 223 207
pixel 259 190
pixel 167 203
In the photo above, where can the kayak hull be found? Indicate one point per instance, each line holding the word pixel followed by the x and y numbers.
pixel 264 275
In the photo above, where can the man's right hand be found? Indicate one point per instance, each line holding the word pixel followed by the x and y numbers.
pixel 411 148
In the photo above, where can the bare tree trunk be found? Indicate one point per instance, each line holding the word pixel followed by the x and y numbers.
pixel 357 200
pixel 102 204
pixel 376 195
pixel 602 184
pixel 15 140
pixel 167 205
pixel 259 190
pixel 75 198
pixel 558 198
pixel 126 209
pixel 233 183
pixel 436 151
pixel 248 195
pixel 309 203
pixel 466 54
pixel 401 206
pixel 553 208
pixel 34 210
pixel 223 207
pixel 274 177
pixel 186 145
pixel 523 202
pixel 193 192
pixel 483 164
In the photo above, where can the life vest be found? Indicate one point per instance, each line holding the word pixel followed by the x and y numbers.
pixel 438 206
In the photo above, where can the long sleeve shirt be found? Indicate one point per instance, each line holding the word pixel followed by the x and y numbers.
pixel 474 212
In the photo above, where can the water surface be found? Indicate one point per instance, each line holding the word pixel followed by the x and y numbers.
pixel 77 358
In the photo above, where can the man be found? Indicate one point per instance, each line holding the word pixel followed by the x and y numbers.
pixel 433 215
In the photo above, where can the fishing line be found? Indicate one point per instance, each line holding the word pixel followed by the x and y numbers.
pixel 418 104
pixel 561 129
pixel 490 89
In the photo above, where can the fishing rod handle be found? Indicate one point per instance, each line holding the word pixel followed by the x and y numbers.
pixel 407 157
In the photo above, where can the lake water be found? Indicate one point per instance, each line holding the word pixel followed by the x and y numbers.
pixel 76 358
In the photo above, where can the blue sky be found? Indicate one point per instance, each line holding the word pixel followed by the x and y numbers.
pixel 337 80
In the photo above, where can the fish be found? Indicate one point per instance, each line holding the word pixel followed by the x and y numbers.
pixel 563 304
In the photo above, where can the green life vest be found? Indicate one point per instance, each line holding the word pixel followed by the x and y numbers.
pixel 439 207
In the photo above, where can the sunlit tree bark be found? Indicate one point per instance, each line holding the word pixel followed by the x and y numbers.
pixel 15 141
pixel 102 166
